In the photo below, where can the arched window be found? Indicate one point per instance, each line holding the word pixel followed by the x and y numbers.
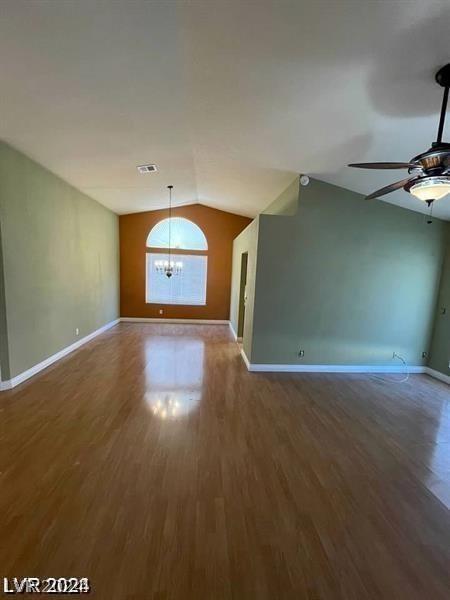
pixel 185 235
pixel 188 255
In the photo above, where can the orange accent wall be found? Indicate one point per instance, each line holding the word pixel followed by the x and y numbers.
pixel 220 229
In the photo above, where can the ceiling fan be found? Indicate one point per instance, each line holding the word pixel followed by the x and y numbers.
pixel 430 171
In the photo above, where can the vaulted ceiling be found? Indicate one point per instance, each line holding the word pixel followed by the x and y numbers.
pixel 231 99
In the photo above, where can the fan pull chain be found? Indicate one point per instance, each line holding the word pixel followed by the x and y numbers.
pixel 430 205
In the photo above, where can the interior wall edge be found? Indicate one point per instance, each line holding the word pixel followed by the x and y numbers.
pixel 245 243
pixel 233 332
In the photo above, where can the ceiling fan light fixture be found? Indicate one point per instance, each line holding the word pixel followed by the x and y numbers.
pixel 432 188
pixel 429 172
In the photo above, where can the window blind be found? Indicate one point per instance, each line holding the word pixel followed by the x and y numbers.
pixel 187 287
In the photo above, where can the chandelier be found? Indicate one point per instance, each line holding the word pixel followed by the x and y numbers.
pixel 169 267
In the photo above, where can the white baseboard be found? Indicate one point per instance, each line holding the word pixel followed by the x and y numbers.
pixel 333 369
pixel 438 375
pixel 268 368
pixel 11 383
pixel 262 368
pixel 175 321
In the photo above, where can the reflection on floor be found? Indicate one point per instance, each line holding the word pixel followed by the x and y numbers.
pixel 174 374
pixel 154 463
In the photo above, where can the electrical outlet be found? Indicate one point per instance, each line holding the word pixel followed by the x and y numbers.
pixel 161 311
pixel 301 353
pixel 424 354
pixel 77 331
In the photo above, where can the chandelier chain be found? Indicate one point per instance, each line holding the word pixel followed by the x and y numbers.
pixel 169 267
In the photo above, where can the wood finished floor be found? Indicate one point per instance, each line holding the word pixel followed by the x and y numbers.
pixel 153 463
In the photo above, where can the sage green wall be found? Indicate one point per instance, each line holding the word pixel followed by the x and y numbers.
pixel 347 280
pixel 287 202
pixel 440 346
pixel 246 241
pixel 60 262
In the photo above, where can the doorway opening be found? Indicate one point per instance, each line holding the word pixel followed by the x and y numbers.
pixel 242 295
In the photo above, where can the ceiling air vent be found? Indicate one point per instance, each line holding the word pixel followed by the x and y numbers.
pixel 147 168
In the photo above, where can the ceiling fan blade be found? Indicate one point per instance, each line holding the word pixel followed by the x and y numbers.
pixel 385 165
pixel 388 189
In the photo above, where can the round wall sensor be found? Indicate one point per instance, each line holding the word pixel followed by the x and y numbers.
pixel 304 179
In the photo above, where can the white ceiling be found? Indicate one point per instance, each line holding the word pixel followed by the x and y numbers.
pixel 230 99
